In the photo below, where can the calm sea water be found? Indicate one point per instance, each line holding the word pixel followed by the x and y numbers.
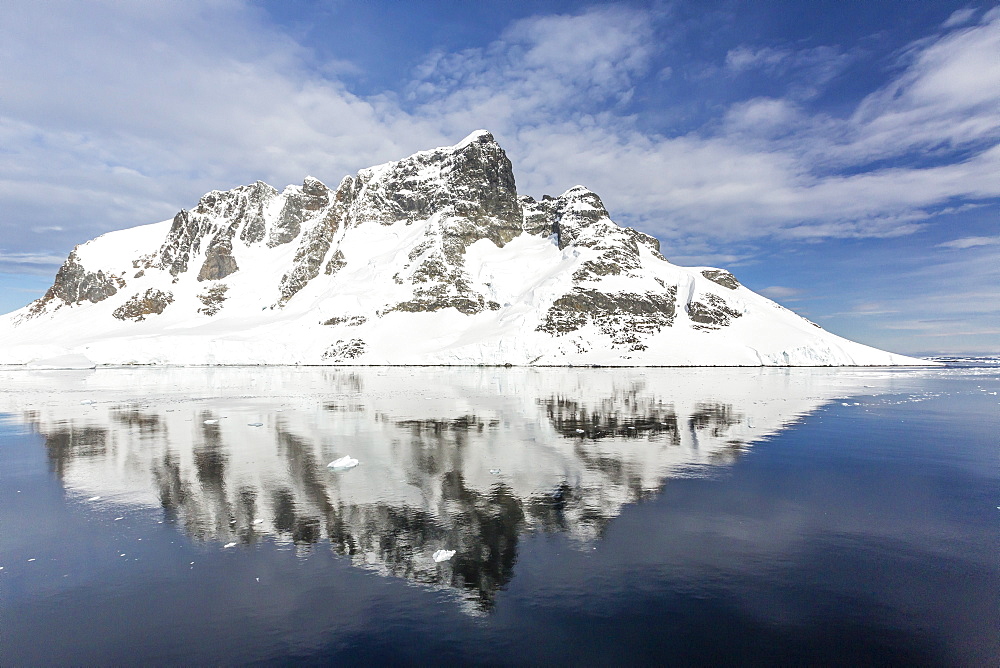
pixel 597 516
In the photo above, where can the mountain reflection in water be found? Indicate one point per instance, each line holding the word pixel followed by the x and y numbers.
pixel 464 459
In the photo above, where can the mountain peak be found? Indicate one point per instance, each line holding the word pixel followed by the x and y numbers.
pixel 477 137
pixel 431 259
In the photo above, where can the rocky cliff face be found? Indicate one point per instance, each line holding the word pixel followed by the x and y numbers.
pixel 431 259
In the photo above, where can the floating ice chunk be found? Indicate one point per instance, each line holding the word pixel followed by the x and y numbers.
pixel 94 498
pixel 86 402
pixel 71 361
pixel 258 521
pixel 443 555
pixel 494 471
pixel 344 463
pixel 211 422
pixel 228 545
pixel 119 518
pixel 32 559
pixel 255 424
pixel 580 431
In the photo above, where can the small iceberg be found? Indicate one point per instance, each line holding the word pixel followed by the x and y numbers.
pixel 443 555
pixel 211 422
pixel 255 424
pixel 344 463
pixel 72 361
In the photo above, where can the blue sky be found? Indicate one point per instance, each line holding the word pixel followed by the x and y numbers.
pixel 841 157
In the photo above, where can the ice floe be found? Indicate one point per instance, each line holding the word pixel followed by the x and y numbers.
pixel 344 463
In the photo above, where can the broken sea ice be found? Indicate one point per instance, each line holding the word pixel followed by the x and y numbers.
pixel 344 463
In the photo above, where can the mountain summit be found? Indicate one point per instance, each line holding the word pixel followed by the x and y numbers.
pixel 433 259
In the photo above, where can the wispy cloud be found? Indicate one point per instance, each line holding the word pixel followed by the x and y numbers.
pixel 32 258
pixel 959 17
pixel 781 292
pixel 970 242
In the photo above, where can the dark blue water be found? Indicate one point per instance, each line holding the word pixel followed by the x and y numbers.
pixel 861 526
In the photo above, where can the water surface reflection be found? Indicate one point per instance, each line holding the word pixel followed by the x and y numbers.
pixel 465 459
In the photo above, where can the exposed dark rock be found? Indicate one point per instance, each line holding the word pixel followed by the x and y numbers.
pixel 349 320
pixel 336 263
pixel 341 351
pixel 594 269
pixel 252 214
pixel 538 219
pixel 712 313
pixel 434 300
pixel 578 219
pixel 311 197
pixel 151 302
pixel 722 277
pixel 623 316
pixel 475 182
pixel 219 261
pixel 74 284
pixel 315 244
pixel 289 222
pixel 474 187
pixel 213 298
pixel 646 240
pixel 183 240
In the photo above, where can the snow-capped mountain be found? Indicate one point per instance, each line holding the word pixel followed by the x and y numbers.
pixel 433 259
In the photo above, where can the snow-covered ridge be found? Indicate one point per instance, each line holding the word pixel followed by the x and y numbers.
pixel 432 259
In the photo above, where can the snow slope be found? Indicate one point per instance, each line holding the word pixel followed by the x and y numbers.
pixel 433 259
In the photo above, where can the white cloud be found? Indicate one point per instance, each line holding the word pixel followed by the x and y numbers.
pixel 969 242
pixel 114 115
pixel 744 58
pixel 780 292
pixel 959 17
pixel 31 258
pixel 949 96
